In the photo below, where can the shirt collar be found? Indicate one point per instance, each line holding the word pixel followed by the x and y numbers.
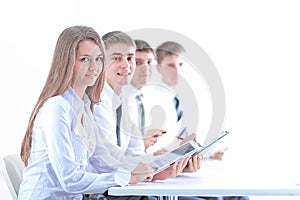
pixel 112 96
pixel 76 102
pixel 129 91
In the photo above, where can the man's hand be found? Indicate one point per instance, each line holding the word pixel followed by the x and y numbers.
pixel 151 137
pixel 188 138
pixel 218 155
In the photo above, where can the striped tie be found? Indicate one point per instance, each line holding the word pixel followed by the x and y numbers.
pixel 119 114
pixel 141 112
pixel 178 108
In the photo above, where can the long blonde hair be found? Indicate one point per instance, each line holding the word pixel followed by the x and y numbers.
pixel 61 74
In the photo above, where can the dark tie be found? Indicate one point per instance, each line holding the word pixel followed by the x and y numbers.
pixel 119 114
pixel 178 108
pixel 141 112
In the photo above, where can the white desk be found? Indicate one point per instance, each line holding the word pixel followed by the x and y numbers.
pixel 214 179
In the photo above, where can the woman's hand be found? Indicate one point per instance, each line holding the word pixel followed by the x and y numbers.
pixel 172 171
pixel 193 164
pixel 143 172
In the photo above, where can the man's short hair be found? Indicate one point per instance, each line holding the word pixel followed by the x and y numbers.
pixel 143 46
pixel 168 48
pixel 117 37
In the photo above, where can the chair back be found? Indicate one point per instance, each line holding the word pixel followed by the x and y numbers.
pixel 14 167
pixel 7 191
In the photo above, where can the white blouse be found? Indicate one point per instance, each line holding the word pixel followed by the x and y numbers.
pixel 68 158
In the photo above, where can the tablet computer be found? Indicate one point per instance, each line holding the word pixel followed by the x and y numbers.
pixel 189 148
pixel 171 157
pixel 202 148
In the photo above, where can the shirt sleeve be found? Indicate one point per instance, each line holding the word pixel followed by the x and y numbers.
pixel 112 160
pixel 122 178
pixel 115 158
pixel 57 123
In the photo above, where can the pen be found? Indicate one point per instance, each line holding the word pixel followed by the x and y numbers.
pixel 178 137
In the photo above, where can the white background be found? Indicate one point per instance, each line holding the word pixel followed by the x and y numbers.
pixel 255 46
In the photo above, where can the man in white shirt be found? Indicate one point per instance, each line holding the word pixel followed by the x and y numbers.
pixel 163 105
pixel 145 58
pixel 164 116
pixel 175 105
pixel 120 57
pixel 120 64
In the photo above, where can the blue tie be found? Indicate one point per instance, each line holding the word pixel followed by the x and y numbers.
pixel 178 108
pixel 141 112
pixel 119 114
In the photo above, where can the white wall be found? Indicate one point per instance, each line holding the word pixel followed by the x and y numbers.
pixel 255 46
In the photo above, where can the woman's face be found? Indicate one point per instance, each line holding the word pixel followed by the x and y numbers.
pixel 88 65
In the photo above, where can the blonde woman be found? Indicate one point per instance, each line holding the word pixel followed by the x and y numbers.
pixel 61 149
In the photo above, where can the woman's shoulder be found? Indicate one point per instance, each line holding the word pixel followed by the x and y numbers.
pixel 58 103
pixel 57 100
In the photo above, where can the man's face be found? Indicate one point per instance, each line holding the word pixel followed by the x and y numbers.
pixel 143 60
pixel 120 63
pixel 169 68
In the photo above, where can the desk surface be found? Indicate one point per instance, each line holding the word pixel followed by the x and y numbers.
pixel 214 179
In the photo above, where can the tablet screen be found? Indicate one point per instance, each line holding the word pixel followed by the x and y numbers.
pixel 175 155
pixel 202 148
pixel 184 150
